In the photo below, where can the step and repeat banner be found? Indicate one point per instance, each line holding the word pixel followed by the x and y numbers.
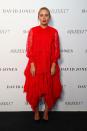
pixel 69 17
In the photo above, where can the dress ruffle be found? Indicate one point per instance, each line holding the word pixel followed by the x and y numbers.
pixel 42 85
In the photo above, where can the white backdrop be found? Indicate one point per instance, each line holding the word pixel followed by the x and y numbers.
pixel 70 18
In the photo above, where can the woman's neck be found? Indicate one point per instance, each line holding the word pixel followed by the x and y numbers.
pixel 43 26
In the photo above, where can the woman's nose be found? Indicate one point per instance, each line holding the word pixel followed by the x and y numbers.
pixel 44 16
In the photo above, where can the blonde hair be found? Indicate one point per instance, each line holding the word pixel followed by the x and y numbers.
pixel 44 8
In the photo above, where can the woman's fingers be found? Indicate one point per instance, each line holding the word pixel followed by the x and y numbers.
pixel 53 69
pixel 32 70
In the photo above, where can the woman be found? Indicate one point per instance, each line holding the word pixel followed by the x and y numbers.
pixel 42 71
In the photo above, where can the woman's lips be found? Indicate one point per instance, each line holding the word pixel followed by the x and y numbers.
pixel 44 20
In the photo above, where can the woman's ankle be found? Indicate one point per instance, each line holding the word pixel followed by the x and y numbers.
pixel 37 115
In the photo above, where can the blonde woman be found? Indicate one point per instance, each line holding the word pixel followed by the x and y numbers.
pixel 42 71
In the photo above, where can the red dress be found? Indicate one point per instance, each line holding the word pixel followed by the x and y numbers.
pixel 42 48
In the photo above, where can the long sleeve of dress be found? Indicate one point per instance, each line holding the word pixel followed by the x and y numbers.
pixel 29 46
pixel 56 48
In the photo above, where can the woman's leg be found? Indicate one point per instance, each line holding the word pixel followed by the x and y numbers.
pixel 36 114
pixel 45 116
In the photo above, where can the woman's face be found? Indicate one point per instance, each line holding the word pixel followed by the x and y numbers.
pixel 44 17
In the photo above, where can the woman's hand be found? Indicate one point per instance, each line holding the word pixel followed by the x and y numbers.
pixel 53 68
pixel 32 69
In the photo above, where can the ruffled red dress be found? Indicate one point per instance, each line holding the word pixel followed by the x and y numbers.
pixel 43 49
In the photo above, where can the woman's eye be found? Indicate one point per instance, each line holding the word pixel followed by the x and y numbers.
pixel 46 15
pixel 41 15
